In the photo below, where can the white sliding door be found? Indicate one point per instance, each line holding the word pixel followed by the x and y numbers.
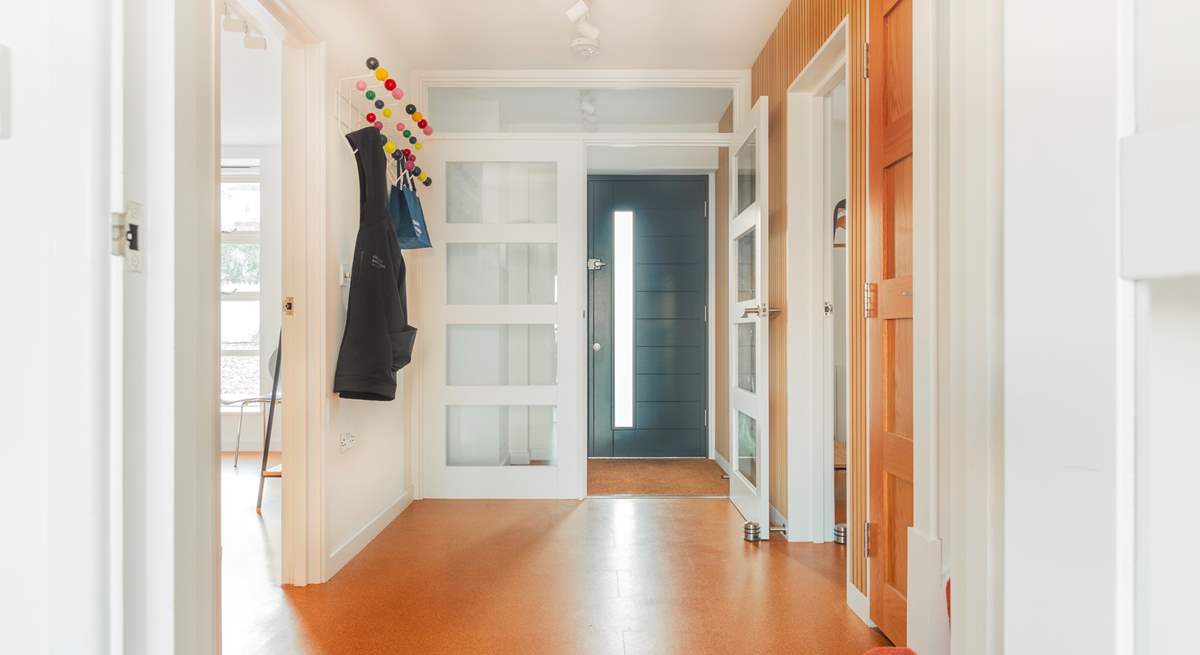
pixel 503 413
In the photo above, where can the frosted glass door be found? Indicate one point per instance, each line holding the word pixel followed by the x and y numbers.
pixel 503 413
pixel 749 326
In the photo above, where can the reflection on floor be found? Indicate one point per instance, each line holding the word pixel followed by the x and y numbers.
pixel 622 576
pixel 255 614
pixel 619 575
pixel 656 477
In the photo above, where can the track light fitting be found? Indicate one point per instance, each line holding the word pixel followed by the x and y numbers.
pixel 233 24
pixel 587 30
pixel 255 42
pixel 586 43
pixel 578 11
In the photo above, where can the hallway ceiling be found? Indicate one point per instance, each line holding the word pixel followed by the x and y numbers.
pixel 515 34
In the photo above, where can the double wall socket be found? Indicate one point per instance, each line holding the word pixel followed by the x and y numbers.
pixel 346 441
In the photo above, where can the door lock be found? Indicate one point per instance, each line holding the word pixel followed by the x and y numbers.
pixel 596 347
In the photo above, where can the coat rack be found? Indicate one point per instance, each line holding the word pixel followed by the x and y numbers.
pixel 363 100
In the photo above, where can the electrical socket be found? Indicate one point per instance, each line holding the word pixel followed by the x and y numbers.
pixel 346 441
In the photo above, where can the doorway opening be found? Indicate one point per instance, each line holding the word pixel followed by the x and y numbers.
pixel 648 306
pixel 251 283
pixel 837 291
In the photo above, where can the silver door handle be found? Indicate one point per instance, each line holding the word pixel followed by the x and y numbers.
pixel 595 264
pixel 761 310
pixel 596 347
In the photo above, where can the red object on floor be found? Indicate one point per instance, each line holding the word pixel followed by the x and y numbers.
pixel 891 651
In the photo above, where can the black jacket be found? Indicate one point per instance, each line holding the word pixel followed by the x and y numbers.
pixel 378 340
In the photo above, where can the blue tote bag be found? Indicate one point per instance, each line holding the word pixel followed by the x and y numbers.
pixel 408 218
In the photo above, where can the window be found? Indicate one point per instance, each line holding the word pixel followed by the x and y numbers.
pixel 623 319
pixel 241 278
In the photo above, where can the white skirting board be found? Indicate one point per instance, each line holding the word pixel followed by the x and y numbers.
pixel 858 602
pixel 342 555
pixel 777 518
pixel 928 621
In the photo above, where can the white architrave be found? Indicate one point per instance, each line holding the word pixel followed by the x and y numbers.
pixel 810 337
pixel 736 80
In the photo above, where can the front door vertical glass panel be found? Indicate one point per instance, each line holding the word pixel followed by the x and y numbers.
pixel 501 290
pixel 623 259
pixel 749 316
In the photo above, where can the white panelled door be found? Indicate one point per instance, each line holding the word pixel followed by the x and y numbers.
pixel 749 315
pixel 504 406
pixel 1159 231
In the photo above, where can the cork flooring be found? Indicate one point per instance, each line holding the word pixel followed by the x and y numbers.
pixel 604 575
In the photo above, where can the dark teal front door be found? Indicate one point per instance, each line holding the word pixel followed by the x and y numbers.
pixel 648 331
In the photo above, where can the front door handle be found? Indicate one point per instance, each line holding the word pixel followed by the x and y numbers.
pixel 596 347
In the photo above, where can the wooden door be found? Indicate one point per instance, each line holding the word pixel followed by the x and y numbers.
pixel 889 312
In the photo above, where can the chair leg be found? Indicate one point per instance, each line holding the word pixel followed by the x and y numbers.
pixel 237 449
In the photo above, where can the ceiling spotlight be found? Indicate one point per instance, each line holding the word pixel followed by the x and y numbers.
pixel 587 30
pixel 584 47
pixel 578 11
pixel 233 24
pixel 255 42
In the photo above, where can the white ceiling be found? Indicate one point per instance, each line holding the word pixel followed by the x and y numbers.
pixel 515 34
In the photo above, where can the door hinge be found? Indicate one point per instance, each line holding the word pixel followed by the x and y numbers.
pixel 828 308
pixel 595 264
pixel 867 540
pixel 868 300
pixel 705 209
pixel 706 313
pixel 866 60
pixel 126 236
pixel 706 418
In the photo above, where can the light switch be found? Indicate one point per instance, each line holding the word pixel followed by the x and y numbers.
pixel 6 86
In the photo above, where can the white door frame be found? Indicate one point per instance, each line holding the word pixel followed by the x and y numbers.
pixel 736 80
pixel 305 281
pixel 810 337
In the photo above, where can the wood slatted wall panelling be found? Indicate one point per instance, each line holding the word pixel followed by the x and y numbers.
pixel 720 216
pixel 801 31
pixel 857 256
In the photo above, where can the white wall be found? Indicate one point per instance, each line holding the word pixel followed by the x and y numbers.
pixel 1065 308
pixel 251 92
pixel 54 492
pixel 367 485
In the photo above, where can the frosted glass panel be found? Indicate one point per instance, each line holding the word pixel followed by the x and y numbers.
pixel 746 356
pixel 502 273
pixel 501 192
pixel 498 355
pixel 747 448
pixel 747 175
pixel 623 319
pixel 746 286
pixel 500 435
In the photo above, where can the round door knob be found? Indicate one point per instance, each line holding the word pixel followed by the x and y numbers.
pixel 596 347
